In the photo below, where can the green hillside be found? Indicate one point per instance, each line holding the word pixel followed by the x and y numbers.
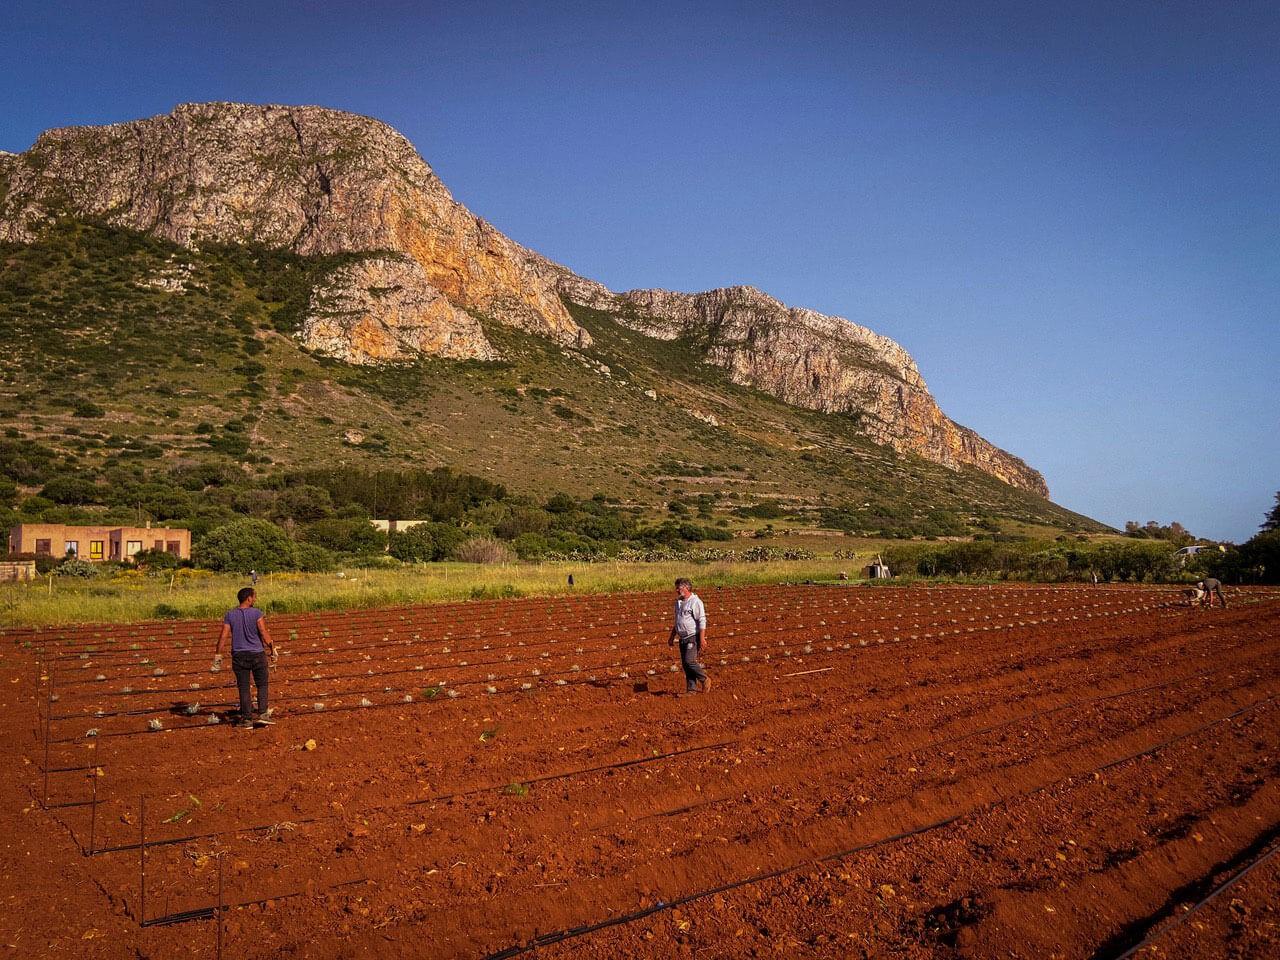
pixel 131 361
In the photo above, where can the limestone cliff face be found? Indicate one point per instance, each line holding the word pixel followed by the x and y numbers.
pixel 811 360
pixel 304 178
pixel 320 181
pixel 382 308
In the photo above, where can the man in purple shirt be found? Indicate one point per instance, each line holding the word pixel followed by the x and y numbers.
pixel 250 643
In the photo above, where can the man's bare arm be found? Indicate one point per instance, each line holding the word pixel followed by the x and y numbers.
pixel 266 637
pixel 223 635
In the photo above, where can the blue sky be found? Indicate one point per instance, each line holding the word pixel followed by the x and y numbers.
pixel 1069 214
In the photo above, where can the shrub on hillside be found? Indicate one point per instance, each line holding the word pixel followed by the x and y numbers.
pixel 86 409
pixel 484 550
pixel 310 558
pixel 303 503
pixel 157 560
pixel 71 490
pixel 425 542
pixel 520 521
pixel 346 536
pixel 554 544
pixel 33 508
pixel 244 545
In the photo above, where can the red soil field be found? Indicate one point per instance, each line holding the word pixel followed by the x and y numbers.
pixel 924 772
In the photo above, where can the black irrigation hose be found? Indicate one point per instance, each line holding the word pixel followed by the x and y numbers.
pixel 300 658
pixel 638 664
pixel 383 624
pixel 1015 720
pixel 381 618
pixel 360 692
pixel 933 745
pixel 207 913
pixel 778 615
pixel 422 801
pixel 436 667
pixel 638 627
pixel 558 936
pixel 1149 932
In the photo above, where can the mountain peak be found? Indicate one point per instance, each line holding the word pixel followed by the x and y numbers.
pixel 309 179
pixel 420 272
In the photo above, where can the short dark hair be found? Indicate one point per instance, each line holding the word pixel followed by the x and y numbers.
pixel 684 582
pixel 245 593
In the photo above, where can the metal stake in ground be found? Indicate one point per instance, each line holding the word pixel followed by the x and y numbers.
pixel 35 696
pixel 218 915
pixel 93 800
pixel 48 719
pixel 142 860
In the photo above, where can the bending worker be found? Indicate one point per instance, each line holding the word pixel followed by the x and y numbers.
pixel 690 626
pixel 1211 586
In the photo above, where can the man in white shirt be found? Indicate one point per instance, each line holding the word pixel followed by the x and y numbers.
pixel 690 627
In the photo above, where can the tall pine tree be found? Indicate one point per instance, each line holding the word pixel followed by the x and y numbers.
pixel 1272 522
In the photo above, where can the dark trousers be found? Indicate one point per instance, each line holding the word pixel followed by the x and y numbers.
pixel 246 665
pixel 693 671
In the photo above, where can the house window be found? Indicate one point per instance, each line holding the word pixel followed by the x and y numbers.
pixel 174 547
pixel 73 548
pixel 158 546
pixel 44 547
pixel 95 549
pixel 132 548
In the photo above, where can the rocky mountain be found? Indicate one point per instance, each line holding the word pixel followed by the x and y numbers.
pixel 418 274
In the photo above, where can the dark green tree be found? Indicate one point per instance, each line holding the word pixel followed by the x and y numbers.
pixel 346 536
pixel 426 541
pixel 244 545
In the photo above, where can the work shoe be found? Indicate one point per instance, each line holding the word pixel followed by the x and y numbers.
pixel 244 724
pixel 263 720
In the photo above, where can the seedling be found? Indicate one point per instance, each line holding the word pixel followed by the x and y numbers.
pixel 516 789
pixel 432 692
pixel 487 736
pixel 186 813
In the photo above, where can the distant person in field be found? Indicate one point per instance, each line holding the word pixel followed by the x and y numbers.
pixel 1212 587
pixel 246 627
pixel 690 628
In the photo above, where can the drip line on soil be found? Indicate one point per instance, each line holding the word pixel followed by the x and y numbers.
pixel 422 801
pixel 343 693
pixel 648 759
pixel 547 939
pixel 1150 932
pixel 206 913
